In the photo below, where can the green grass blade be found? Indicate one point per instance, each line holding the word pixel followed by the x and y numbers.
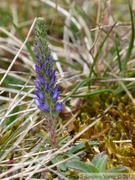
pixel 131 43
pixel 100 48
pixel 120 89
pixel 12 138
pixel 118 54
pixel 84 82
pixel 91 93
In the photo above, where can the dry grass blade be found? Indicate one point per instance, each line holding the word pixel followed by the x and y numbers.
pixel 18 53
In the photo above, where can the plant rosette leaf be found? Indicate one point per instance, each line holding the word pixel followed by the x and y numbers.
pixel 100 161
pixel 81 166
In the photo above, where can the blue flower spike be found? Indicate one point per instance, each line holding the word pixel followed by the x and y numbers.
pixel 47 89
pixel 46 93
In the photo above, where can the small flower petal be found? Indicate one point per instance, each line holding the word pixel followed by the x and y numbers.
pixel 55 89
pixel 47 87
pixel 55 93
pixel 41 79
pixel 42 106
pixel 55 96
pixel 39 94
pixel 59 106
pixel 53 77
pixel 48 71
pixel 47 58
pixel 37 57
pixel 37 68
pixel 41 65
pixel 37 83
pixel 37 102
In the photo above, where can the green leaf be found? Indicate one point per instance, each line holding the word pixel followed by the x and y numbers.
pixel 81 146
pixel 117 169
pixel 77 148
pixel 100 161
pixel 57 159
pixel 63 140
pixel 88 168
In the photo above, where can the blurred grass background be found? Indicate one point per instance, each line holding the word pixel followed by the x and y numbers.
pixel 93 45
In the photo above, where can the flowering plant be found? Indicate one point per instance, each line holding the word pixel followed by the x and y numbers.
pixel 46 88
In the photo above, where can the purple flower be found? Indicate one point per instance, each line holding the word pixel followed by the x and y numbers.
pixel 37 68
pixel 41 65
pixel 59 106
pixel 37 102
pixel 55 93
pixel 42 106
pixel 47 87
pixel 53 77
pixel 48 71
pixel 37 83
pixel 37 57
pixel 39 94
pixel 41 79
pixel 47 58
